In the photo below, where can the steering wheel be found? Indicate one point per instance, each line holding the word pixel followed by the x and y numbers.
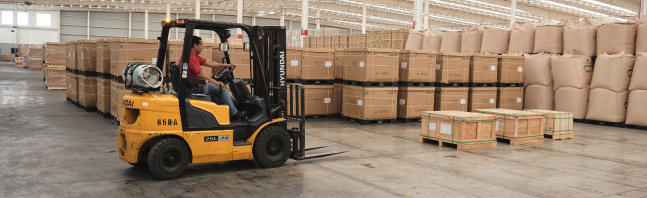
pixel 224 72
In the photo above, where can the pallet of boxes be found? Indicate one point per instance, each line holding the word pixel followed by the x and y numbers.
pixel 71 80
pixel 18 61
pixel 104 87
pixel 54 67
pixel 518 127
pixel 35 58
pixel 86 51
pixel 317 79
pixel 370 85
pixel 6 56
pixel 510 78
pixel 466 130
pixel 124 51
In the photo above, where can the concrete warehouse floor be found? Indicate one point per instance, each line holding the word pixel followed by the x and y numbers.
pixel 49 148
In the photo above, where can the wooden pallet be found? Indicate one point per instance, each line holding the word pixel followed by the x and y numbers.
pixel 559 136
pixel 55 88
pixel 366 122
pixel 526 140
pixel 460 146
pixel 407 120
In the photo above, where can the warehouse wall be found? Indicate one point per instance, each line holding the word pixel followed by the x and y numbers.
pixel 30 33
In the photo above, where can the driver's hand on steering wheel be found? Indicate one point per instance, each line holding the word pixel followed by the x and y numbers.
pixel 231 65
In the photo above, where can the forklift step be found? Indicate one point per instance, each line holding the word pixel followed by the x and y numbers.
pixel 241 143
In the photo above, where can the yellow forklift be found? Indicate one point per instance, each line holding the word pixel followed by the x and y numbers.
pixel 165 130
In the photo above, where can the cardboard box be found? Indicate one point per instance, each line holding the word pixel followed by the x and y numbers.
pixel 54 53
pixel 293 62
pixel 318 32
pixel 128 50
pixel 362 38
pixel 452 68
pixel 103 95
pixel 55 76
pixel 70 59
pixel 207 53
pixel 370 103
pixel 343 41
pixel 330 31
pixel 417 66
pixel 338 99
pixel 103 56
pixel 35 63
pixel 36 52
pixel 451 98
pixel 510 69
pixel 340 62
pixel 318 99
pixel 481 98
pixel 72 88
pixel 334 43
pixel 175 47
pixel 386 44
pixel 374 36
pixel 374 44
pixel 318 64
pixel 237 56
pixel 327 42
pixel 483 68
pixel 87 52
pixel 306 42
pixel 88 91
pixel 117 93
pixel 606 105
pixel 465 129
pixel 412 101
pixel 372 65
pixel 510 98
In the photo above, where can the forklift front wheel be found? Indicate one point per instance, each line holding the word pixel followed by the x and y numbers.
pixel 272 147
pixel 168 158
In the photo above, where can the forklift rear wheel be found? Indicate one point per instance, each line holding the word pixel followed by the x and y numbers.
pixel 168 158
pixel 272 147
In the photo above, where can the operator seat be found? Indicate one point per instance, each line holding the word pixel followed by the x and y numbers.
pixel 239 90
pixel 175 81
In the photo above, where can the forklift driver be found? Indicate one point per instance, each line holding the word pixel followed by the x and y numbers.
pixel 195 71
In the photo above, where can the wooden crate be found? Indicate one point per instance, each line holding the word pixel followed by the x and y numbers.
pixel 18 59
pixel 520 127
pixel 466 130
pixel 18 64
pixel 559 124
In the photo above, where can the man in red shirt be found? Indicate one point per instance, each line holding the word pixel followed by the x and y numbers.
pixel 195 71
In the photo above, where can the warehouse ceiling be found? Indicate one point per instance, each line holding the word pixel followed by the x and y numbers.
pixel 381 14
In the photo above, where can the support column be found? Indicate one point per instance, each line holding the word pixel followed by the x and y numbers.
pixel 146 24
pixel 426 14
pixel 290 25
pixel 177 30
pixel 304 19
pixel 254 20
pixel 197 16
pixel 513 13
pixel 318 9
pixel 364 17
pixel 213 18
pixel 643 9
pixel 239 18
pixel 168 8
pixel 417 15
pixel 130 24
pixel 88 27
pixel 282 19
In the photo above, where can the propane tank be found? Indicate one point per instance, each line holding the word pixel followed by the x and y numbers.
pixel 142 75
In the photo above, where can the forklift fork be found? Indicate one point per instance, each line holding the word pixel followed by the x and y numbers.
pixel 298 134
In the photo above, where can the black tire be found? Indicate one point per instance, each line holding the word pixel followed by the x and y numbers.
pixel 168 158
pixel 272 147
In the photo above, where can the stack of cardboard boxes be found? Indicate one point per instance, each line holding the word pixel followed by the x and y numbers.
pixel 482 78
pixel 103 77
pixel 71 81
pixel 54 69
pixel 510 82
pixel 87 64
pixel 452 81
pixel 122 52
pixel 34 60
pixel 370 90
pixel 416 90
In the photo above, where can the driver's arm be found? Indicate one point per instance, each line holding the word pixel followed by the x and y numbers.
pixel 216 64
pixel 209 79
